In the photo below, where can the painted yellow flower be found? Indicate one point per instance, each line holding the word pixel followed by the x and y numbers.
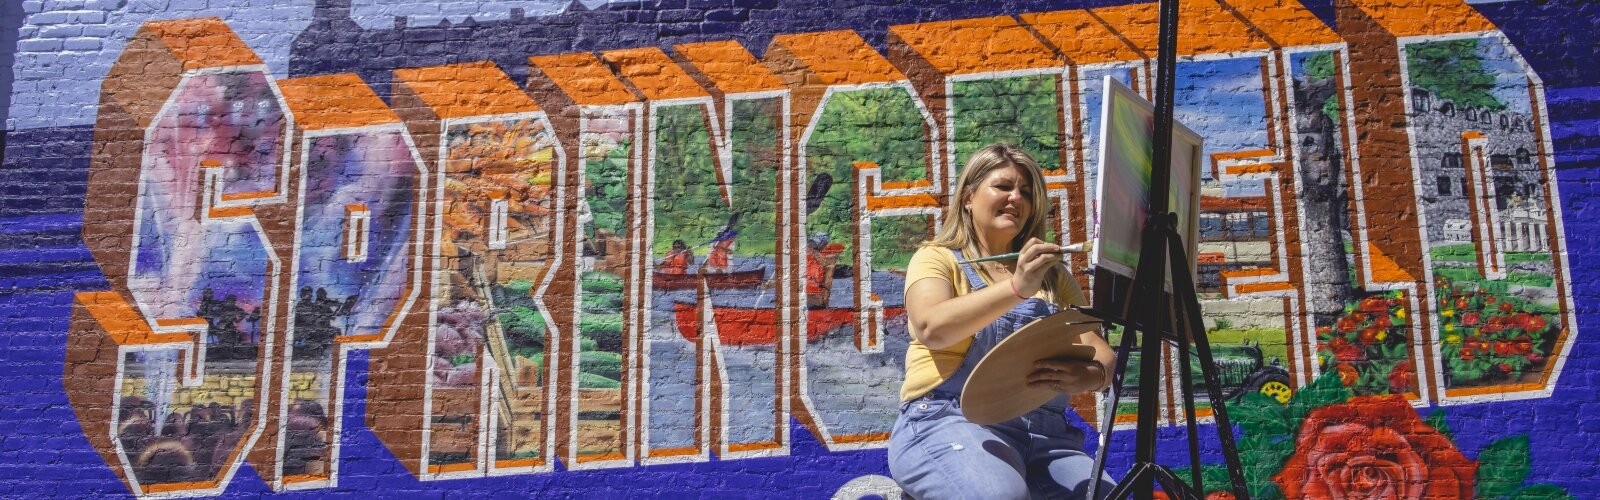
pixel 1400 313
pixel 1449 327
pixel 1452 339
pixel 1447 313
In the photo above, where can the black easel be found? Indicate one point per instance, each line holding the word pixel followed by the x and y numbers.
pixel 1148 311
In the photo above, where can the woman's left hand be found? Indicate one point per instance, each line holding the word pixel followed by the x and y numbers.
pixel 1068 376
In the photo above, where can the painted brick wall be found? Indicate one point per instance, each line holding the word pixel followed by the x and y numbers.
pixel 657 249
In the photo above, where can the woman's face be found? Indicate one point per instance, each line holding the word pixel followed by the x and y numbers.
pixel 999 205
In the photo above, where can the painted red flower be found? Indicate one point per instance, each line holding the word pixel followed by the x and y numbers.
pixel 1524 344
pixel 1505 307
pixel 1374 305
pixel 1347 324
pixel 1466 354
pixel 1489 299
pixel 1461 303
pixel 1348 374
pixel 1470 319
pixel 1345 352
pixel 1495 324
pixel 1369 335
pixel 1402 377
pixel 1534 322
pixel 1382 323
pixel 1374 447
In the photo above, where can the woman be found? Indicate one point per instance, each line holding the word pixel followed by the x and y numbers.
pixel 957 312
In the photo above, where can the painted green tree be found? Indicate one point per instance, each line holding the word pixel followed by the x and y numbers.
pixel 1453 70
pixel 688 198
pixel 880 125
pixel 1018 110
pixel 757 155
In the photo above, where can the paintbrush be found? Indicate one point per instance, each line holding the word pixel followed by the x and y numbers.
pixel 1085 247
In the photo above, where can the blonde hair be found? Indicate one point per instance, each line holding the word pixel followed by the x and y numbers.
pixel 958 232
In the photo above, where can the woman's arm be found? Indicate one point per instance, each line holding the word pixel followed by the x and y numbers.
pixel 940 319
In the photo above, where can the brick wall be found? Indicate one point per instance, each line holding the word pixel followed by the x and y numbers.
pixel 658 249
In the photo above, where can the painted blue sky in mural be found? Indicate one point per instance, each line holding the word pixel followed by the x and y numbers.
pixel 58 69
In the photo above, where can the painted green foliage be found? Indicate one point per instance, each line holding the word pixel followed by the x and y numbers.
pixel 883 126
pixel 1019 110
pixel 757 156
pixel 688 198
pixel 1319 67
pixel 608 190
pixel 600 323
pixel 600 332
pixel 1453 70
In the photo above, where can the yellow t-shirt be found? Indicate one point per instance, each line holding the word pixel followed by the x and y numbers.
pixel 927 368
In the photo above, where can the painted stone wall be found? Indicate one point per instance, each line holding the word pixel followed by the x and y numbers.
pixel 658 249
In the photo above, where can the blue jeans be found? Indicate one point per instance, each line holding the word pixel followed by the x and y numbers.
pixel 935 454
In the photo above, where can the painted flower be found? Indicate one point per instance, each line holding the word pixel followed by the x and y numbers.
pixel 1369 335
pixel 1505 307
pixel 1402 378
pixel 1470 319
pixel 1534 322
pixel 1348 374
pixel 1347 324
pixel 1374 447
pixel 1524 344
pixel 1344 351
pixel 1374 305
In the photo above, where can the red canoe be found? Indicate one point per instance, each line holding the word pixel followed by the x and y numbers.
pixel 749 278
pixel 752 326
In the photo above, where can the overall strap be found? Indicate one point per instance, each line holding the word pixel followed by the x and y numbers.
pixel 974 281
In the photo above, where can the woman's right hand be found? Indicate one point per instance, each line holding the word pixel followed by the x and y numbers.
pixel 1034 263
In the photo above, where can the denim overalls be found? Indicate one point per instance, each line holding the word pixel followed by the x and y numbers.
pixel 935 453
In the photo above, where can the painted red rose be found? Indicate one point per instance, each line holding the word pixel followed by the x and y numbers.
pixel 1374 447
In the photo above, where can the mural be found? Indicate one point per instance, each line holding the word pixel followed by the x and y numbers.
pixel 543 263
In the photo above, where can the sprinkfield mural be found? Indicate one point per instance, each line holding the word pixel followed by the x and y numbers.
pixel 573 256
